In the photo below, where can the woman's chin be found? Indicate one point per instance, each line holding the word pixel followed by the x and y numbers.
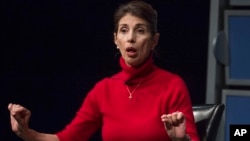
pixel 132 62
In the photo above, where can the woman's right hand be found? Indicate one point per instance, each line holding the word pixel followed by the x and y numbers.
pixel 19 119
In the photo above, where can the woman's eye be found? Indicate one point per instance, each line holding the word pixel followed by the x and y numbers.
pixel 123 30
pixel 141 31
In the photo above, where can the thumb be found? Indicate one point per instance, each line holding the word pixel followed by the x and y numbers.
pixel 9 106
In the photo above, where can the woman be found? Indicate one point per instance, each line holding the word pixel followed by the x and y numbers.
pixel 142 102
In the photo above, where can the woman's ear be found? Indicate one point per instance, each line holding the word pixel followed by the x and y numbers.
pixel 115 39
pixel 156 39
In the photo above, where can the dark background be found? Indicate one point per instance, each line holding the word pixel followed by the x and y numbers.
pixel 52 52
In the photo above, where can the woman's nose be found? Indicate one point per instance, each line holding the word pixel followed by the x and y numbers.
pixel 131 37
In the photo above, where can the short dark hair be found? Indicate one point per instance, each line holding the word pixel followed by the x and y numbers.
pixel 139 9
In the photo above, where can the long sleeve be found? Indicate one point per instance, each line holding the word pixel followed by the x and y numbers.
pixel 179 100
pixel 87 120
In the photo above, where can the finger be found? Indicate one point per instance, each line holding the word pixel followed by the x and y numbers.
pixel 18 108
pixel 164 119
pixel 180 116
pixel 14 111
pixel 19 111
pixel 163 116
pixel 10 106
pixel 168 122
pixel 14 108
pixel 174 118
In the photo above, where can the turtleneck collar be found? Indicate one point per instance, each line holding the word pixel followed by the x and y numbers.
pixel 137 74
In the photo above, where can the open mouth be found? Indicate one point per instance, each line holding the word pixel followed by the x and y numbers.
pixel 131 52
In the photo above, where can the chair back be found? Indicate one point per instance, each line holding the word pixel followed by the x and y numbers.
pixel 207 118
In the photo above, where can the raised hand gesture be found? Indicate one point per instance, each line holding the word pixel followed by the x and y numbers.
pixel 19 118
pixel 175 125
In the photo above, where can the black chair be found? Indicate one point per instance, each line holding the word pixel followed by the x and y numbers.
pixel 207 119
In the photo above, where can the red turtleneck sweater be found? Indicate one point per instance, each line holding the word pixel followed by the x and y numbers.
pixel 108 106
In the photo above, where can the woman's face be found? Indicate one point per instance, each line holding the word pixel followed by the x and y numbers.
pixel 134 39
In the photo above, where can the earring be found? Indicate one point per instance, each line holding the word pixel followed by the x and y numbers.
pixel 117 47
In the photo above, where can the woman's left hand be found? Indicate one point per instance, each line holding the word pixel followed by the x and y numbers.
pixel 175 125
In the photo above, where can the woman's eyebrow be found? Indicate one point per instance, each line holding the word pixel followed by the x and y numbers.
pixel 137 25
pixel 122 25
pixel 140 25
